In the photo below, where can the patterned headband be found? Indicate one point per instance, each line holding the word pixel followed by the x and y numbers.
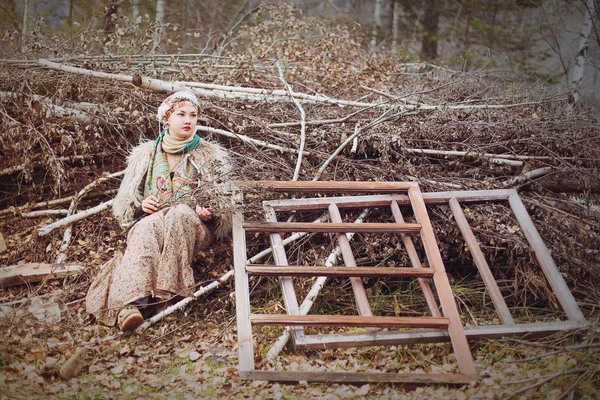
pixel 174 102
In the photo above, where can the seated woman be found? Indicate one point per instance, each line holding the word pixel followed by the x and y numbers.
pixel 166 193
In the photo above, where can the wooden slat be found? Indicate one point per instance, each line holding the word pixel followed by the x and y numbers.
pixel 328 186
pixel 416 262
pixel 364 272
pixel 358 377
pixel 560 288
pixel 431 198
pixel 392 338
pixel 330 227
pixel 348 321
pixel 481 263
pixel 360 296
pixel 316 203
pixel 242 297
pixel 442 284
pixel 287 285
pixel 35 272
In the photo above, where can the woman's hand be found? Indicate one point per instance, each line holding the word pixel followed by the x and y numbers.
pixel 150 204
pixel 204 213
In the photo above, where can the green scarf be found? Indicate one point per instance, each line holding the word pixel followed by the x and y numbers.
pixel 158 179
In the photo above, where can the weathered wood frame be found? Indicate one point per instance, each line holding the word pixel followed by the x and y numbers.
pixel 449 324
pixel 575 318
pixel 373 337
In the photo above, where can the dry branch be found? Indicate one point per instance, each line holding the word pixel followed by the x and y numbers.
pixel 302 123
pixel 527 176
pixel 44 230
pixel 179 305
pixel 247 139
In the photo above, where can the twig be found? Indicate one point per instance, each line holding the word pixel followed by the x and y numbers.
pixel 549 378
pixel 302 123
pixel 384 117
pixel 551 353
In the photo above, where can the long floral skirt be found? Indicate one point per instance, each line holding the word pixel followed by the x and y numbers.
pixel 157 262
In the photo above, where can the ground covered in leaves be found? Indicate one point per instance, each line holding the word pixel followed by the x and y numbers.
pixel 397 110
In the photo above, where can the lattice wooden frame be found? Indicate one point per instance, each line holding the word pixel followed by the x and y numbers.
pixel 449 324
pixel 574 320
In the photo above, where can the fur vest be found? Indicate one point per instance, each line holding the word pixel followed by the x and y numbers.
pixel 214 167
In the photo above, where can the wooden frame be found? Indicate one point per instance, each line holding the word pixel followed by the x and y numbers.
pixel 401 193
pixel 449 324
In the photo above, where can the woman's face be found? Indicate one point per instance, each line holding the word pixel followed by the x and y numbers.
pixel 182 122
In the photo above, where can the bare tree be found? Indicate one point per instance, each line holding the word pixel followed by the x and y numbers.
pixel 577 72
pixel 160 17
pixel 431 22
pixel 378 23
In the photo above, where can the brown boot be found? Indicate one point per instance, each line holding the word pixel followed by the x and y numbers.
pixel 130 318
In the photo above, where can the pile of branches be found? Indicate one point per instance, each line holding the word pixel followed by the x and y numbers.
pixel 346 115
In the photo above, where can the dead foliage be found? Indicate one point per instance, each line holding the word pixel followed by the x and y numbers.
pixel 56 156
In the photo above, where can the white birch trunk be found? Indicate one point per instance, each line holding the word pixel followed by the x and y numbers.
pixel 25 6
pixel 577 72
pixel 135 10
pixel 396 15
pixel 377 16
pixel 160 17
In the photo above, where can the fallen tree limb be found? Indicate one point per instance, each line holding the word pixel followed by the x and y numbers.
pixel 527 176
pixel 302 125
pixel 49 203
pixel 44 213
pixel 44 230
pixel 247 139
pixel 19 168
pixel 203 290
pixel 493 158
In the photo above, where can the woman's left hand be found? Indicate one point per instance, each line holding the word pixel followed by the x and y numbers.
pixel 204 213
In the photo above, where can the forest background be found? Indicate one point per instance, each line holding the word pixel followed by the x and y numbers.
pixel 428 91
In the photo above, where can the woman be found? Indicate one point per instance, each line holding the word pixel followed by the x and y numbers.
pixel 167 193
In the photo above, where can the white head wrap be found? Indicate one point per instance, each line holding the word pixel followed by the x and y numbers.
pixel 173 102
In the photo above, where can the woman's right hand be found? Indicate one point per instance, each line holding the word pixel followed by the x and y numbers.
pixel 150 204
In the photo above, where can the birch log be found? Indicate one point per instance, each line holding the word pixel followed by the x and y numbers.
pixel 44 230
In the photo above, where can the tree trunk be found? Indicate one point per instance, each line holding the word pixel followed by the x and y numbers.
pixel 160 17
pixel 576 78
pixel 109 19
pixel 396 17
pixel 24 31
pixel 135 10
pixel 377 22
pixel 430 30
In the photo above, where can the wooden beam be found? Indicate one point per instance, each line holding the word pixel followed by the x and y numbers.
pixel 360 295
pixel 363 272
pixel 35 272
pixel 431 198
pixel 348 321
pixel 242 296
pixel 481 263
pixel 330 227
pixel 358 377
pixel 560 288
pixel 323 341
pixel 287 285
pixel 442 284
pixel 328 186
pixel 416 262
